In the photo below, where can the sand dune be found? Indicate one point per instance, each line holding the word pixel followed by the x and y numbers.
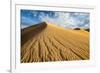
pixel 48 42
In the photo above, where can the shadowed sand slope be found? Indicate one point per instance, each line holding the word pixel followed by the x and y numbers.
pixel 48 42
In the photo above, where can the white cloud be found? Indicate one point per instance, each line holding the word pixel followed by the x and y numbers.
pixel 23 26
pixel 63 20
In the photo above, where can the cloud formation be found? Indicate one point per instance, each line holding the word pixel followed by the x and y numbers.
pixel 63 19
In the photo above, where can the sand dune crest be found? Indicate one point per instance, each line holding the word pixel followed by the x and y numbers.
pixel 46 42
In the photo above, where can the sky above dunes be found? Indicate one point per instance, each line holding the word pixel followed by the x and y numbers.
pixel 63 19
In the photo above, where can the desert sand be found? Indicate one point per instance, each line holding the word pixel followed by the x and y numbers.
pixel 47 42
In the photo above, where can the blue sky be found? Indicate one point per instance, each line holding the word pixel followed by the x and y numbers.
pixel 63 19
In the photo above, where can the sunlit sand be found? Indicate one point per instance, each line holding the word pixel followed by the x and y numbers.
pixel 48 42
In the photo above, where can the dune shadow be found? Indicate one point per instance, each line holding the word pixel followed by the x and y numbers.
pixel 30 32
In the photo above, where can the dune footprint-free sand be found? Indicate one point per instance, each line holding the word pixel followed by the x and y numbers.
pixel 47 42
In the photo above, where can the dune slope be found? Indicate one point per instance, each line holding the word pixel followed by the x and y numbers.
pixel 47 42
